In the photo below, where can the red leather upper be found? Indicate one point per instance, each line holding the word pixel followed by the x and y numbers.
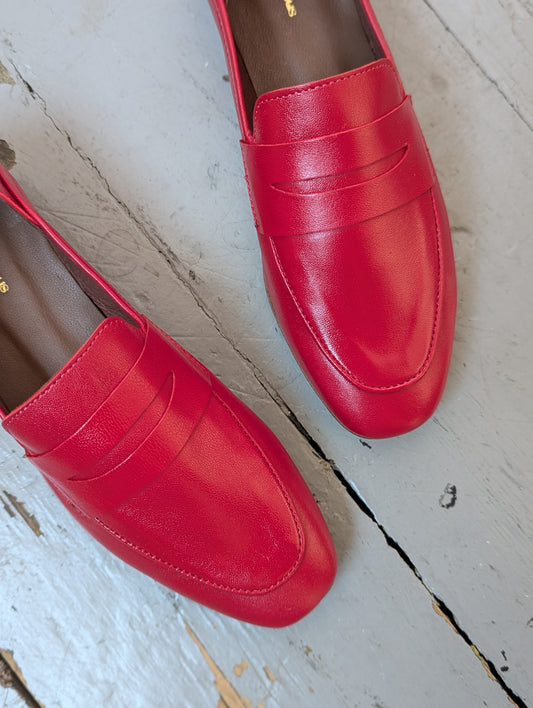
pixel 355 240
pixel 131 451
pixel 170 471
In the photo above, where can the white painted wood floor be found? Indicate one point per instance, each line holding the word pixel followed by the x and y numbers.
pixel 117 120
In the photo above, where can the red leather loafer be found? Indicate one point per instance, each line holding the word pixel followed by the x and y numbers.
pixel 356 246
pixel 146 448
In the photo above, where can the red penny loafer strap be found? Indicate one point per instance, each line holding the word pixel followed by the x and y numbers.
pixel 282 212
pixel 136 432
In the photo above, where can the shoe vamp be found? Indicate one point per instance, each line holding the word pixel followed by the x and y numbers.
pixel 369 292
pixel 218 513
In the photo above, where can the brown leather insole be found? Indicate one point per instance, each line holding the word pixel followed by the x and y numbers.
pixel 323 38
pixel 45 316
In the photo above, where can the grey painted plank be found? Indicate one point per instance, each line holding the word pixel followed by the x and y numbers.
pixel 87 630
pixel 498 37
pixel 9 699
pixel 157 120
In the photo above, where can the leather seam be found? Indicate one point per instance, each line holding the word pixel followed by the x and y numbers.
pixel 261 452
pixel 404 149
pixel 193 576
pixel 324 84
pixel 53 383
pixel 35 458
pixel 409 145
pixel 154 479
pixel 95 478
pixel 334 359
pixel 281 486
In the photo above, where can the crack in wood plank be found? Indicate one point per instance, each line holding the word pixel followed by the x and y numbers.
pixel 11 677
pixel 439 605
pixel 508 99
pixel 20 508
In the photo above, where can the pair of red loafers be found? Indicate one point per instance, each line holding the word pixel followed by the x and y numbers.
pixel 148 450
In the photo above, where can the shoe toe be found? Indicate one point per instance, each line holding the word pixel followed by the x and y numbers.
pixel 172 473
pixel 231 523
pixel 369 312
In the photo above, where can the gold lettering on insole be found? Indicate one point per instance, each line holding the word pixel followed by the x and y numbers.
pixel 4 287
pixel 291 10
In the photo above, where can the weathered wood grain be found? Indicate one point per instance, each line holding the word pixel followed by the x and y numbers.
pixel 14 691
pixel 498 36
pixel 88 630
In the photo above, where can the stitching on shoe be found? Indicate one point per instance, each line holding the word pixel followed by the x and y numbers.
pixel 193 576
pixel 260 450
pixel 330 82
pixel 186 573
pixel 334 359
pixel 187 355
pixel 274 473
pixel 52 384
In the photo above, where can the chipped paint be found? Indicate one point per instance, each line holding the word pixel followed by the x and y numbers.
pixel 270 676
pixel 448 498
pixel 8 157
pixel 239 668
pixel 5 76
pixel 20 508
pixel 484 663
pixel 229 697
pixel 11 677
pixel 443 615
pixel 487 665
pixel 7 507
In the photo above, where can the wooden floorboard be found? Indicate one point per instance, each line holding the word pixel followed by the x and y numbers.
pixel 118 121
